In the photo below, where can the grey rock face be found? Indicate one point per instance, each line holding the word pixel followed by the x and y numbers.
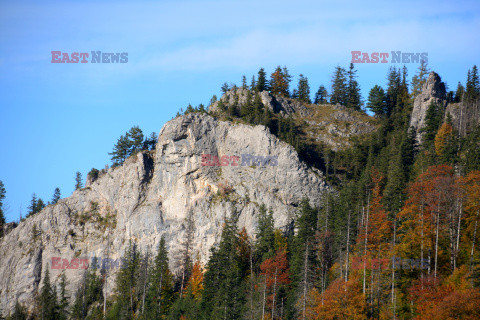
pixel 433 91
pixel 154 194
pixel 464 116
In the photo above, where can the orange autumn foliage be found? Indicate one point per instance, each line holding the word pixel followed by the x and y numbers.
pixel 195 283
pixel 342 300
pixel 443 135
pixel 452 299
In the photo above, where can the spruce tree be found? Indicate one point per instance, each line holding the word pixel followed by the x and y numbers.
pixel 321 96
pixel 419 78
pixel 126 302
pixel 376 101
pixel 78 181
pixel 354 97
pixel 459 93
pixel 339 87
pixel 224 285
pixel 160 292
pixel 48 300
pixel 393 90
pixel 56 196
pixel 264 246
pixel 472 90
pixel 262 83
pixel 63 303
pixel 36 205
pixel 303 90
pixel 279 81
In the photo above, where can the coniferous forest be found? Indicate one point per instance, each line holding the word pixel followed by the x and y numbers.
pixel 398 239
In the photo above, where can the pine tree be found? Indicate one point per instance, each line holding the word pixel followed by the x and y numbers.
pixel 121 150
pixel 135 136
pixel 419 78
pixel 225 87
pixel 339 87
pixel 56 196
pixel 253 84
pixel 262 83
pixel 354 98
pixel 78 181
pixel 376 101
pixel 321 96
pixel 244 82
pixel 303 90
pixel 19 313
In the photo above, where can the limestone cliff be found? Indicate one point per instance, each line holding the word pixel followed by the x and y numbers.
pixel 154 194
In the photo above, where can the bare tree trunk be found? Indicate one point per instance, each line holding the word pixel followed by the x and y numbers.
pixel 436 241
pixel 393 266
pixel 145 275
pixel 106 278
pixel 274 289
pixel 421 242
pixel 305 282
pixel 457 246
pixel 473 241
pixel 365 249
pixel 264 297
pixel 348 251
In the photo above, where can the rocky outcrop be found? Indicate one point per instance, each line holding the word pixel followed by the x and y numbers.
pixel 154 194
pixel 433 91
pixel 464 116
pixel 330 125
pixel 276 103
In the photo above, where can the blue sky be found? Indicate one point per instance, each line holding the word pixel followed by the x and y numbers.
pixel 56 119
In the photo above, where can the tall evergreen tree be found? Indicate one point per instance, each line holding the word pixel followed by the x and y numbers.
pixel 303 90
pixel 78 181
pixel 472 90
pixel 63 303
pixel 339 87
pixel 376 101
pixel 459 92
pixel 224 293
pixel 56 196
pixel 160 292
pixel 262 83
pixel 2 215
pixel 393 90
pixel 36 205
pixel 279 81
pixel 354 98
pixel 121 150
pixel 420 78
pixel 126 301
pixel 321 96
pixel 135 135
pixel 264 246
pixel 48 305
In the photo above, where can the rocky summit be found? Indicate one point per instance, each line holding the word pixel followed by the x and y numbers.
pixel 166 192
